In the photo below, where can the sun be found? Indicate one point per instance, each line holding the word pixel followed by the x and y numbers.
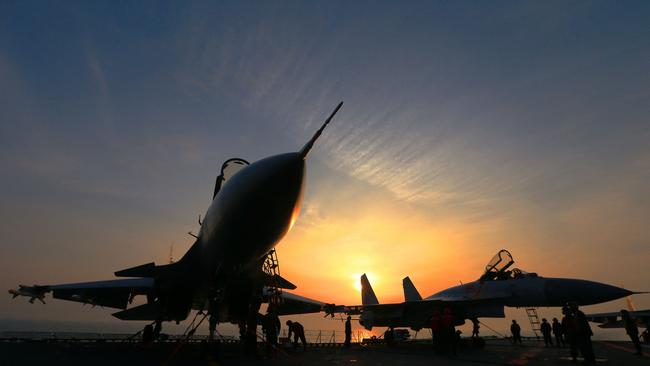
pixel 357 285
pixel 356 281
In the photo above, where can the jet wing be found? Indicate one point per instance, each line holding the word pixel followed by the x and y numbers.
pixel 296 304
pixel 613 319
pixel 111 293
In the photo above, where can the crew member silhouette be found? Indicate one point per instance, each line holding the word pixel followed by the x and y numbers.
pixel 632 330
pixel 546 329
pixel 515 329
pixel 271 328
pixel 298 333
pixel 348 331
pixel 558 332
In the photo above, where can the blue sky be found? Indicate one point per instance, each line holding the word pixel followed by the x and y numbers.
pixel 510 123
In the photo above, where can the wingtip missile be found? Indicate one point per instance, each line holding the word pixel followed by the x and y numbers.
pixel 305 149
pixel 33 292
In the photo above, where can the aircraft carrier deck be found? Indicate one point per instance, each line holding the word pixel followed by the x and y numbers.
pixel 496 352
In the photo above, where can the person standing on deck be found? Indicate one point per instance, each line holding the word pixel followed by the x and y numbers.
pixel 570 329
pixel 632 330
pixel 515 329
pixel 558 332
pixel 546 329
pixel 348 332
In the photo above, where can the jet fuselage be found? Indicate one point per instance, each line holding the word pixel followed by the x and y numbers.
pixel 534 291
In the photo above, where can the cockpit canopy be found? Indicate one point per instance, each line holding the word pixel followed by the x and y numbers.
pixel 497 268
pixel 228 170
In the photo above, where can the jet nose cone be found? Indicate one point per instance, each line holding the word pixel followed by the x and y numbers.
pixel 559 291
pixel 281 177
pixel 255 208
pixel 270 196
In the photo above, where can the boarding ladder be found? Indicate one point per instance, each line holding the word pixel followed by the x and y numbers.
pixel 271 267
pixel 533 318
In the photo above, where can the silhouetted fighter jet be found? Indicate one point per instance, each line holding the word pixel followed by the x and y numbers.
pixel 498 287
pixel 253 207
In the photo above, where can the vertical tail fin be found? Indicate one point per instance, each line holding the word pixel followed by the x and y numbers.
pixel 410 292
pixel 368 296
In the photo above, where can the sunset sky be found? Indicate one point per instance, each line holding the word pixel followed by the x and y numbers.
pixel 467 127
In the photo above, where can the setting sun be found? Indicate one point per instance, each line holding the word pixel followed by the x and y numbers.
pixel 356 282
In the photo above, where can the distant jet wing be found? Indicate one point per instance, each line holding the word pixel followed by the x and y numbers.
pixel 612 320
pixel 111 293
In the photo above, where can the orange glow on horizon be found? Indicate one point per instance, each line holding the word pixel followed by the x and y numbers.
pixel 362 229
pixel 325 258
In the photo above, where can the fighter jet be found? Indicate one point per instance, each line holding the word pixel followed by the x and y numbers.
pixel 231 267
pixel 498 287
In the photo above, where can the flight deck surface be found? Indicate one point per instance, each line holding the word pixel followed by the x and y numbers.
pixel 497 352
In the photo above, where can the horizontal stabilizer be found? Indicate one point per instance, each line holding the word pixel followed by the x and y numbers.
pixel 152 270
pixel 368 296
pixel 410 292
pixel 175 270
pixel 278 281
pixel 145 270
pixel 150 311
